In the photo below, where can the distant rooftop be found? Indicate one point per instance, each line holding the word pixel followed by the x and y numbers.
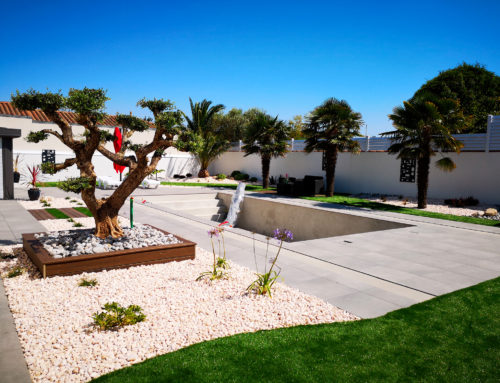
pixel 7 109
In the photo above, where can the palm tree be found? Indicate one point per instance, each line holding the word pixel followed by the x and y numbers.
pixel 425 125
pixel 331 127
pixel 267 137
pixel 202 137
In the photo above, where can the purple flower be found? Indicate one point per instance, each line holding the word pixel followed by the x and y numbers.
pixel 283 235
pixel 213 232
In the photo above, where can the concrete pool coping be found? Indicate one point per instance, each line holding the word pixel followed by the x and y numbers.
pixel 368 274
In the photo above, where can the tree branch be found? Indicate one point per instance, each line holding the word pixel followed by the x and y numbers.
pixel 66 164
pixel 117 158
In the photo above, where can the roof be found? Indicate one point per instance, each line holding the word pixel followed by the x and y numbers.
pixel 7 109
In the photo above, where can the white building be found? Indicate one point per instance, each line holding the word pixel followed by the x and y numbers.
pixel 173 161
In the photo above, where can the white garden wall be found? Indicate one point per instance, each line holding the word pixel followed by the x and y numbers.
pixel 477 174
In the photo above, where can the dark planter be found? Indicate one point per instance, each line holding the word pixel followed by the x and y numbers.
pixel 33 194
pixel 17 176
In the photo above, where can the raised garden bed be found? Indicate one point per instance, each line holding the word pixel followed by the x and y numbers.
pixel 50 266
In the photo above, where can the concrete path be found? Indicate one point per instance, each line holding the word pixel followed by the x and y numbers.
pixel 14 220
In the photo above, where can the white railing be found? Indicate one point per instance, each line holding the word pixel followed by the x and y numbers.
pixel 477 142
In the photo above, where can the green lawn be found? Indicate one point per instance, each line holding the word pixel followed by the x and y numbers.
pixel 215 185
pixel 363 203
pixel 47 184
pixel 56 213
pixel 84 210
pixel 452 338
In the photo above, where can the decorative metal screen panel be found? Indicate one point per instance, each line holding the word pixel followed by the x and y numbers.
pixel 323 161
pixel 408 170
pixel 48 156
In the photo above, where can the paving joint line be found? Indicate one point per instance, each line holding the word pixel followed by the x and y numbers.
pixel 192 218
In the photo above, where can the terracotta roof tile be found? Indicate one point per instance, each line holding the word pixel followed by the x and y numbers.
pixel 7 109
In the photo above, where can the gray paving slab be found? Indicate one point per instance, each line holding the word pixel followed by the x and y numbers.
pixel 13 368
pixel 398 267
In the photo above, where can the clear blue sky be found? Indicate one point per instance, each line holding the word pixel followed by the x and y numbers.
pixel 285 57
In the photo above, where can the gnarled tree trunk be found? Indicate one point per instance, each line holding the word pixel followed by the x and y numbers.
pixel 331 163
pixel 266 164
pixel 106 223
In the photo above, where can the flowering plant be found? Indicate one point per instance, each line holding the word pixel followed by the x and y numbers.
pixel 220 262
pixel 265 281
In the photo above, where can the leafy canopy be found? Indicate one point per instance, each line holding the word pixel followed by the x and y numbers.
pixel 424 125
pixel 475 88
pixel 48 102
pixel 266 135
pixel 333 124
pixel 201 135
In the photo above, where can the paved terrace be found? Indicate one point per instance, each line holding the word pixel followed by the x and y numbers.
pixel 368 274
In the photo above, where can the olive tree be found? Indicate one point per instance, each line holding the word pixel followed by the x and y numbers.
pixel 88 105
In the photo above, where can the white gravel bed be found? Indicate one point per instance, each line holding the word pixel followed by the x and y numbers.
pixel 433 205
pixel 70 243
pixel 53 315
pixel 54 202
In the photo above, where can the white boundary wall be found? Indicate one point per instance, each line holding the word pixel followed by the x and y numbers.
pixel 477 174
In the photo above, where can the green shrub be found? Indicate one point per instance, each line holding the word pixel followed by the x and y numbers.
pixel 234 173
pixel 253 179
pixel 115 316
pixel 241 177
pixel 221 176
pixel 15 272
pixel 87 282
pixel 77 224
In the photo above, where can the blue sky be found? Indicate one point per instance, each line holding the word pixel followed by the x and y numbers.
pixel 285 57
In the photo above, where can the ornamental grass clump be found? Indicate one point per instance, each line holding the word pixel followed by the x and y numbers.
pixel 15 272
pixel 220 262
pixel 88 282
pixel 116 316
pixel 265 281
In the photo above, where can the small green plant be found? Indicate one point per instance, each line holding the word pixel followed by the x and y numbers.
pixel 220 262
pixel 7 255
pixel 77 224
pixel 70 220
pixel 74 201
pixel 87 282
pixel 115 316
pixel 253 179
pixel 67 197
pixel 265 281
pixel 241 177
pixel 221 176
pixel 45 202
pixel 15 272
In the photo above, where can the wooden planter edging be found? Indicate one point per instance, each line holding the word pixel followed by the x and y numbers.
pixel 50 266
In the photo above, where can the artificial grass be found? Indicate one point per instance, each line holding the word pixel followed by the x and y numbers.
pixel 216 185
pixel 56 213
pixel 363 203
pixel 452 338
pixel 84 210
pixel 47 184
